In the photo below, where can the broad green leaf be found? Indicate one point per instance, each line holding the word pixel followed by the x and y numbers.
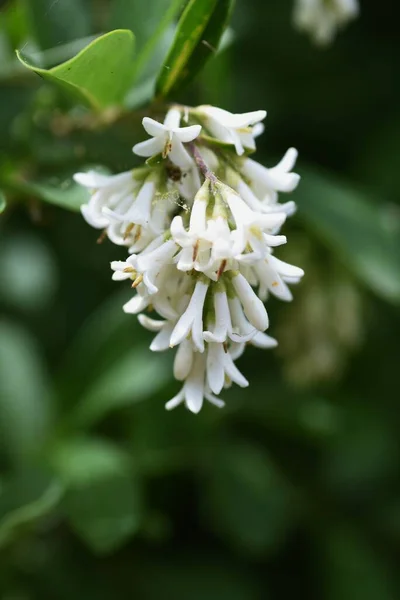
pixel 247 499
pixel 66 193
pixel 100 75
pixel 106 512
pixel 25 498
pixel 3 203
pixel 197 39
pixel 81 460
pixel 58 22
pixel 364 233
pixel 353 569
pixel 25 410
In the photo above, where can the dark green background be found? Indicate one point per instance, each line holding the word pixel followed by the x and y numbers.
pixel 293 490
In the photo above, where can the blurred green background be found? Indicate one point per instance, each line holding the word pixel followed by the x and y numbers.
pixel 293 490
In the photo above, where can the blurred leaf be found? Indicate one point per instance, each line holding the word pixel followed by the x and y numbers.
pixel 150 22
pixel 58 21
pixel 100 75
pixel 106 512
pixel 26 497
pixel 3 203
pixel 197 38
pixel 66 194
pixel 365 234
pixel 25 411
pixel 133 377
pixel 247 499
pixel 352 568
pixel 196 576
pixel 80 460
pixel 19 280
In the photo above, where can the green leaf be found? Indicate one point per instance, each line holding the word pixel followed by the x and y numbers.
pixel 364 233
pixel 352 568
pixel 3 202
pixel 197 38
pixel 29 495
pixel 247 499
pixel 66 193
pixel 25 410
pixel 81 460
pixel 106 512
pixel 54 23
pixel 20 279
pixel 132 378
pixel 100 75
pixel 151 23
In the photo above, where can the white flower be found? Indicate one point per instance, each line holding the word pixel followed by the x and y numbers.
pixel 146 266
pixel 266 183
pixel 143 220
pixel 253 308
pixel 232 128
pixel 191 322
pixel 321 18
pixel 115 192
pixel 251 228
pixel 195 390
pixel 273 274
pixel 220 366
pixel 193 242
pixel 168 138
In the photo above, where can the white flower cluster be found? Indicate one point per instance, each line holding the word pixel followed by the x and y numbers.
pixel 201 221
pixel 322 18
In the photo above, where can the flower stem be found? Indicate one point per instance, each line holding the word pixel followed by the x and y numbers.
pixel 205 170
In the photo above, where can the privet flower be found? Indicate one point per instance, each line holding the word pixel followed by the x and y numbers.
pixel 202 224
pixel 322 18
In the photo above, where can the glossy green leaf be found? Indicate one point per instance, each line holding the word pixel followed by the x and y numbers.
pixel 54 23
pixel 197 38
pixel 106 512
pixel 29 495
pixel 3 203
pixel 25 409
pixel 364 233
pixel 100 75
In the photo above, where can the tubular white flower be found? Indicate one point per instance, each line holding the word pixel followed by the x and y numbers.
pixel 219 366
pixel 115 192
pixel 168 138
pixel 191 322
pixel 251 228
pixel 266 183
pixel 273 274
pixel 253 308
pixel 194 390
pixel 322 19
pixel 192 242
pixel 232 128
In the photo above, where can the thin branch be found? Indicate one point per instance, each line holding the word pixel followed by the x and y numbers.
pixel 206 171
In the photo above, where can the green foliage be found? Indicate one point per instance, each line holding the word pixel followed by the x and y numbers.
pixel 100 75
pixel 71 20
pixel 293 489
pixel 197 37
pixel 359 229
